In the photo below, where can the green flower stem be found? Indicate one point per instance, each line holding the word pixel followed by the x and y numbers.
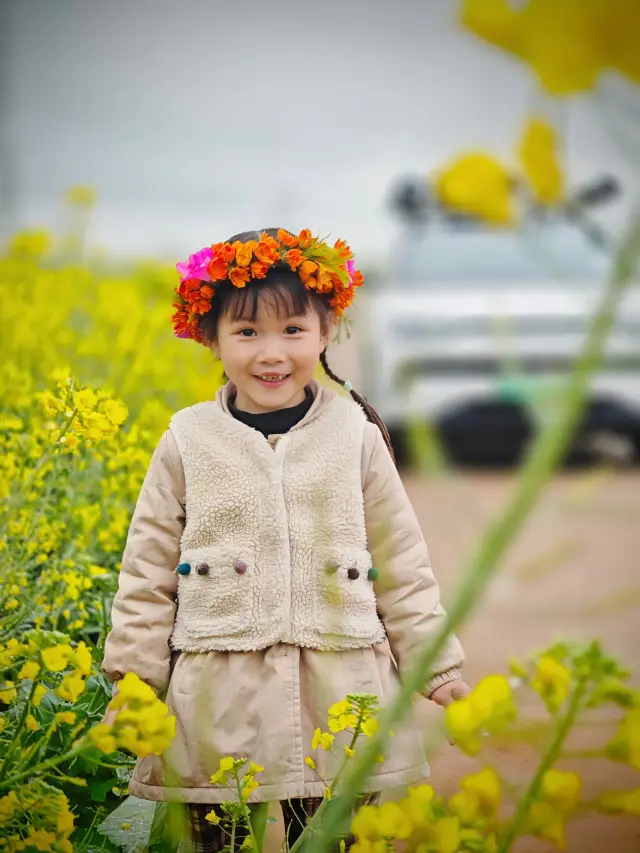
pixel 247 814
pixel 18 731
pixel 541 462
pixel 38 769
pixel 550 757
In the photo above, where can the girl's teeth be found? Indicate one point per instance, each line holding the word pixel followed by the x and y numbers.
pixel 272 378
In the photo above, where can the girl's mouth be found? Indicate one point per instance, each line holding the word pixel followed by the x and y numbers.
pixel 272 380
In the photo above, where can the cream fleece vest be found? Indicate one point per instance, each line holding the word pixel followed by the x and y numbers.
pixel 274 547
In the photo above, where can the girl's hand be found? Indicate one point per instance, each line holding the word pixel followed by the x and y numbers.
pixel 450 692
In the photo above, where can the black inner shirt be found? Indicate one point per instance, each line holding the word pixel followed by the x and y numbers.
pixel 274 423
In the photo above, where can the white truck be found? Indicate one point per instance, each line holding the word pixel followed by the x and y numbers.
pixel 476 330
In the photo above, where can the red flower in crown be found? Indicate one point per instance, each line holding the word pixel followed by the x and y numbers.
pixel 325 269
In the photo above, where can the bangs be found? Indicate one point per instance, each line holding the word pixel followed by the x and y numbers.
pixel 286 297
pixel 281 292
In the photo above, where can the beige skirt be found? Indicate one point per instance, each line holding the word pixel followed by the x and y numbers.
pixel 265 705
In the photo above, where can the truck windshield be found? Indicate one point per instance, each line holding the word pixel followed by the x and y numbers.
pixel 473 256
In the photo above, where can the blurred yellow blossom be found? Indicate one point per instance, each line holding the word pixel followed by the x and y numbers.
pixel 477 185
pixel 547 823
pixel 620 802
pixel 552 681
pixel 102 736
pixel 561 790
pixel 81 195
pixel 625 745
pixel 539 156
pixel 486 787
pixel 488 708
pixel 568 44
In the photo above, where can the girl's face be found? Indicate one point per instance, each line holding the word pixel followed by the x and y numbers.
pixel 271 359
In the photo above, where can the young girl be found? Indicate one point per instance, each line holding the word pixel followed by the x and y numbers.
pixel 274 563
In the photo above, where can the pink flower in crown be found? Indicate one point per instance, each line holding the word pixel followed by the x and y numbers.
pixel 196 266
pixel 351 268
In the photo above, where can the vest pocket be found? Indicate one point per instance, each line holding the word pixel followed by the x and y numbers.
pixel 345 601
pixel 215 592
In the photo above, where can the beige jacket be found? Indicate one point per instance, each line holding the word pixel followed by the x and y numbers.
pixel 266 703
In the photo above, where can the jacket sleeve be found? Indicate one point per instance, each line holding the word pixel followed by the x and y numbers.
pixel 407 591
pixel 144 607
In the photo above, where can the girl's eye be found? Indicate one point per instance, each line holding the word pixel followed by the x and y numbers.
pixel 292 330
pixel 247 333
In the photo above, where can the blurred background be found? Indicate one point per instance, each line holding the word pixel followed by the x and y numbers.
pixel 192 121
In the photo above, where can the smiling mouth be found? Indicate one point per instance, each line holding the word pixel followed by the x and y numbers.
pixel 272 378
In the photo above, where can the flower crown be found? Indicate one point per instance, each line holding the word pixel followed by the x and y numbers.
pixel 323 268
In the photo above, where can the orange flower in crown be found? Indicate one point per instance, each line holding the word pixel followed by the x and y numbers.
pixel 323 268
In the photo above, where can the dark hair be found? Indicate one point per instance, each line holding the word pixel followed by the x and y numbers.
pixel 289 298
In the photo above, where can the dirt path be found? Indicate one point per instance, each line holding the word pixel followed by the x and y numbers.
pixel 574 572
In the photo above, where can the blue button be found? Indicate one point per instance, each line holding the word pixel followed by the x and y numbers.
pixel 184 568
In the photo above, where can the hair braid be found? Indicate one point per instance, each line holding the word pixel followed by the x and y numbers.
pixel 369 411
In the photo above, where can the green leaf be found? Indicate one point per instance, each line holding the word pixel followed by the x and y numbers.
pixel 136 816
pixel 99 790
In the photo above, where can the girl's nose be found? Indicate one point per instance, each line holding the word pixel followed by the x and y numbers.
pixel 272 353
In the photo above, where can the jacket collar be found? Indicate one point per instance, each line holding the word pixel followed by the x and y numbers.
pixel 322 398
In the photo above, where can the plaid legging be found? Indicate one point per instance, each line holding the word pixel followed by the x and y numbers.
pixel 212 838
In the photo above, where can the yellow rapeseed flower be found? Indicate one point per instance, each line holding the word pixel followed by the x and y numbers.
pixel 466 806
pixel 71 687
pixel 486 786
pixel 29 670
pixel 56 658
pixel 349 753
pixel 538 153
pixel 102 736
pixel 369 727
pixel 547 823
pixel 212 817
pixel 392 822
pixel 477 185
pixel 132 691
pixel 561 790
pixel 625 745
pixel 552 681
pixel 225 766
pixel 68 717
pixel 8 694
pixel 38 694
pixel 322 739
pixel 31 723
pixel 85 400
pixel 447 835
pixel 620 802
pixel 83 658
pixel 567 44
pixel 365 823
pixel 310 762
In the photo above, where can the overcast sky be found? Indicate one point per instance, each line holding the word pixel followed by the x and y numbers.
pixel 198 118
